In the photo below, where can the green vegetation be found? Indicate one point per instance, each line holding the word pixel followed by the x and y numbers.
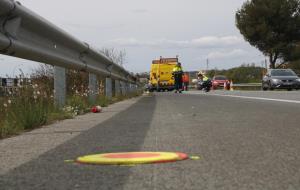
pixel 28 109
pixel 242 74
pixel 31 104
pixel 272 26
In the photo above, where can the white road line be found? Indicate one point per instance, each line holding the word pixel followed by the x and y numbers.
pixel 251 97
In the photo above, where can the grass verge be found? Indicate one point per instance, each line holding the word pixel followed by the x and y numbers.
pixel 29 110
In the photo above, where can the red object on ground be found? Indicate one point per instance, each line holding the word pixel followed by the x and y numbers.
pixel 96 109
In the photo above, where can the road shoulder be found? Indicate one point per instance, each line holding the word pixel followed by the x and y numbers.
pixel 20 149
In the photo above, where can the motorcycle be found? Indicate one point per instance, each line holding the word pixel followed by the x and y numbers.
pixel 204 85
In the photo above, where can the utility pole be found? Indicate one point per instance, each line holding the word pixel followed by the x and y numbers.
pixel 207 63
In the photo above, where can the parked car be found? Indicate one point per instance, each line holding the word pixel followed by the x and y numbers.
pixel 280 79
pixel 219 81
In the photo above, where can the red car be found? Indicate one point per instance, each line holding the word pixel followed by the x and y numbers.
pixel 219 81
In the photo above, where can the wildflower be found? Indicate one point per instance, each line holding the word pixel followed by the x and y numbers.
pixel 35 97
pixel 38 93
pixel 5 105
pixel 9 101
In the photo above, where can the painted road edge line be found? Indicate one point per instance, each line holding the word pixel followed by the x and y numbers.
pixel 252 97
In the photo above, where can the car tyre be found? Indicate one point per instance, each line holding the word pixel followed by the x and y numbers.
pixel 264 87
pixel 270 87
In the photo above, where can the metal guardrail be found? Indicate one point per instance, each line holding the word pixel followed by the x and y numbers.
pixel 26 35
pixel 247 85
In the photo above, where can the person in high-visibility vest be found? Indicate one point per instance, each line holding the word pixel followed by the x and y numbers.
pixel 202 77
pixel 177 73
pixel 205 82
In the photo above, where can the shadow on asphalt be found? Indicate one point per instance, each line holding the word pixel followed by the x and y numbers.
pixel 124 132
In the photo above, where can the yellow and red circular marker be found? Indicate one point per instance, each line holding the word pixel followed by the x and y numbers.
pixel 132 158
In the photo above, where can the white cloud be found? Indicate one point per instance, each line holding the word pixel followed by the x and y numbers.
pixel 203 42
pixel 140 11
pixel 236 53
pixel 214 41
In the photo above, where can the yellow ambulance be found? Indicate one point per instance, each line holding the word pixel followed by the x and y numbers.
pixel 161 77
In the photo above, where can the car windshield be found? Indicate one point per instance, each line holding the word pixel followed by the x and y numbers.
pixel 220 78
pixel 282 73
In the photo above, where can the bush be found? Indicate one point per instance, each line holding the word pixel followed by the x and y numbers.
pixel 77 105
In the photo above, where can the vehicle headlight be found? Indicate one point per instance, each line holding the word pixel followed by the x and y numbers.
pixel 275 80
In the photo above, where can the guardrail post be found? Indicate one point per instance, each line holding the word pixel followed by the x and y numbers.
pixel 131 87
pixel 125 88
pixel 93 87
pixel 108 88
pixel 117 88
pixel 59 86
pixel 122 88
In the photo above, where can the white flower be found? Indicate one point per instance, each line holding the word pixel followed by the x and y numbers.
pixel 5 105
pixel 35 97
pixel 9 101
pixel 38 92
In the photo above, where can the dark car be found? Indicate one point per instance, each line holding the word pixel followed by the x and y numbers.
pixel 280 79
pixel 219 81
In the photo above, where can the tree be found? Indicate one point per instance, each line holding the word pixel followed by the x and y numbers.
pixel 272 26
pixel 293 59
pixel 116 56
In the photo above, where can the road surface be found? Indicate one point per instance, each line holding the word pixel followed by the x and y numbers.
pixel 243 143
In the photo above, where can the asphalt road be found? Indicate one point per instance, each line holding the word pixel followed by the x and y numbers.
pixel 244 143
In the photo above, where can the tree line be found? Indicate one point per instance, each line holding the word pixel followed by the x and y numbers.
pixel 246 73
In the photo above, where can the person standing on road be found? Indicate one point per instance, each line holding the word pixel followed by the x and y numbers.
pixel 186 80
pixel 177 74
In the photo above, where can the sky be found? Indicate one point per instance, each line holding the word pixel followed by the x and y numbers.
pixel 195 30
